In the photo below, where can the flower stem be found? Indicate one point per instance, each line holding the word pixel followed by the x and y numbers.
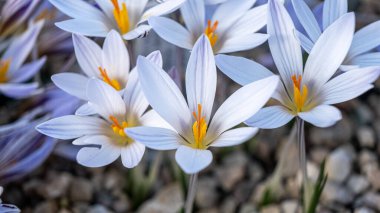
pixel 191 193
pixel 302 158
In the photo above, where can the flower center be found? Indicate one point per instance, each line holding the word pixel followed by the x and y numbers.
pixel 118 129
pixel 199 129
pixel 112 82
pixel 4 67
pixel 210 32
pixel 299 95
pixel 121 16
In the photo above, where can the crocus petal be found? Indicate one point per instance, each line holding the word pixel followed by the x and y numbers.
pixel 329 52
pixel 115 57
pixel 84 27
pixel 171 32
pixel 132 154
pixel 242 104
pixel 98 157
pixel 307 19
pixel 155 138
pixel 241 70
pixel 22 45
pixel 283 44
pixel 134 98
pixel 72 83
pixel 332 10
pixel 162 9
pixel 201 77
pixel 322 116
pixel 105 99
pixel 135 10
pixel 193 13
pixel 19 91
pixel 270 117
pixel 107 7
pixel 138 32
pixel 192 160
pixel 152 119
pixel 27 71
pixel 89 55
pixel 234 9
pixel 164 95
pixel 244 42
pixel 235 137
pixel 306 43
pixel 79 9
pixel 72 126
pixel 85 109
pixel 349 85
pixel 366 60
pixel 365 39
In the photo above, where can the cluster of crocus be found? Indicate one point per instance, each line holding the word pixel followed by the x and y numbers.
pixel 114 110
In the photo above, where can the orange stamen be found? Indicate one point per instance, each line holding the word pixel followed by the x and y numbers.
pixel 121 16
pixel 112 82
pixel 117 128
pixel 4 67
pixel 299 95
pixel 210 32
pixel 199 128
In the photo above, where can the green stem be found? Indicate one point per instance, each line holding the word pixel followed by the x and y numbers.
pixel 191 191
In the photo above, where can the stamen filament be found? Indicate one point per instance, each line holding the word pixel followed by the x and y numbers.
pixel 299 95
pixel 199 128
pixel 4 67
pixel 210 32
pixel 121 16
pixel 117 128
pixel 112 82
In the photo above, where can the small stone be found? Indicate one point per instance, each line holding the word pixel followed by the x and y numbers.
pixel 256 172
pixel 366 137
pixel 248 208
pixel 338 165
pixel 367 157
pixel 57 186
pixel 312 173
pixel 98 209
pixel 292 187
pixel 333 192
pixel 317 155
pixel 211 210
pixel 122 204
pixel 232 170
pixel 370 199
pixel 207 195
pixel 270 209
pixel 289 206
pixel 372 172
pixel 364 210
pixel 357 184
pixel 228 205
pixel 81 190
pixel 46 207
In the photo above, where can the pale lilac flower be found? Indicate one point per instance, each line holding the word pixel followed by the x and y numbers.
pixel 231 28
pixel 125 16
pixel 195 129
pixel 307 92
pixel 13 71
pixel 365 40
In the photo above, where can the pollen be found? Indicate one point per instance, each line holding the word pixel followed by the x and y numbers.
pixel 299 95
pixel 112 82
pixel 117 127
pixel 121 16
pixel 199 128
pixel 4 67
pixel 210 32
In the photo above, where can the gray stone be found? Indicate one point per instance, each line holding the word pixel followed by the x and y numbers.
pixel 207 195
pixel 364 210
pixel 46 207
pixel 333 192
pixel 57 186
pixel 366 137
pixel 248 208
pixel 290 206
pixel 357 184
pixel 317 155
pixel 367 157
pixel 270 209
pixel 81 190
pixel 369 199
pixel 338 165
pixel 232 170
pixel 98 209
pixel 228 205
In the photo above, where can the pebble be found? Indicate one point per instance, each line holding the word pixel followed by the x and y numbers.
pixel 364 210
pixel 357 184
pixel 46 207
pixel 207 195
pixel 228 205
pixel 81 190
pixel 232 169
pixel 248 208
pixel 334 192
pixel 369 199
pixel 366 137
pixel 289 206
pixel 57 185
pixel 338 165
pixel 98 209
pixel 270 209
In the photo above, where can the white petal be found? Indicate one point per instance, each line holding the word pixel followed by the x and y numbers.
pixel 307 19
pixel 193 13
pixel 241 70
pixel 19 91
pixel 155 57
pixel 171 32
pixel 192 160
pixel 329 52
pixel 27 71
pixel 89 55
pixel 72 83
pixel 332 10
pixel 244 42
pixel 107 8
pixel 84 27
pixel 71 126
pixel 139 32
pixel 366 60
pixel 349 85
pixel 162 9
pixel 243 104
pixel 270 117
pixel 153 119
pixel 134 97
pixel 201 77
pixel 306 43
pixel 365 39
pixel 135 10
pixel 164 95
pixel 235 137
pixel 132 154
pixel 322 116
pixel 155 138
pixel 105 100
pixel 92 140
pixel 115 57
pixel 98 157
pixel 283 44
pixel 85 109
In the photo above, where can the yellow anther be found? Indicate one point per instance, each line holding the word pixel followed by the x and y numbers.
pixel 299 95
pixel 210 32
pixel 117 128
pixel 4 67
pixel 121 16
pixel 199 128
pixel 112 82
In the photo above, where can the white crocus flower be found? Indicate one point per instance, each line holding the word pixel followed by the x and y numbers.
pixel 194 127
pixel 103 137
pixel 305 92
pixel 110 64
pixel 125 16
pixel 232 28
pixel 365 40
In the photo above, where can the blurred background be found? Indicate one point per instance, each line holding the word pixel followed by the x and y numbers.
pixel 40 174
